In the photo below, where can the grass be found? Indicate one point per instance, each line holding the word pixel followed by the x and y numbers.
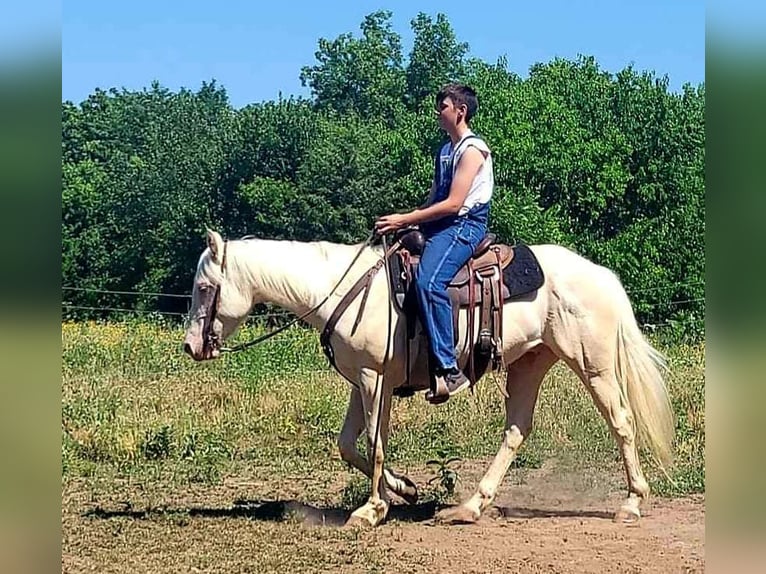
pixel 133 406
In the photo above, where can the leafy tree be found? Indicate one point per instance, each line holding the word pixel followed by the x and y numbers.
pixel 362 75
pixel 611 165
pixel 436 59
pixel 144 186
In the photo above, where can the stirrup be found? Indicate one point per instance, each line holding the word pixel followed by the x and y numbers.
pixel 441 395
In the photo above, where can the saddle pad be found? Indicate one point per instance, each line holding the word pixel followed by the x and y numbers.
pixel 524 274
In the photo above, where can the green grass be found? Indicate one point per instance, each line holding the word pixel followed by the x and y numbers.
pixel 134 406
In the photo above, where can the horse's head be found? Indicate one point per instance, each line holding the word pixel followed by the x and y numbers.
pixel 218 305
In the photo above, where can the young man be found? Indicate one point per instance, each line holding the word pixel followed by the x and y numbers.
pixel 454 221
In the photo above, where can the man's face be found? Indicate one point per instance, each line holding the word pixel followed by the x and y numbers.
pixel 448 114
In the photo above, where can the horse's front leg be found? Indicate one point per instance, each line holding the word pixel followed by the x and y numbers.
pixel 353 426
pixel 376 404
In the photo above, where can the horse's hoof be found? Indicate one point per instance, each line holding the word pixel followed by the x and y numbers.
pixel 627 515
pixel 368 516
pixel 410 497
pixel 410 494
pixel 457 515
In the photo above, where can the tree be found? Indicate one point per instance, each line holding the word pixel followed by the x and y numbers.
pixel 436 59
pixel 611 165
pixel 361 75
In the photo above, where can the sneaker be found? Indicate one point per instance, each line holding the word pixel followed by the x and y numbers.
pixel 456 380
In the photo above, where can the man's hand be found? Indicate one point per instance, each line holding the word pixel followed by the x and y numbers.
pixel 390 223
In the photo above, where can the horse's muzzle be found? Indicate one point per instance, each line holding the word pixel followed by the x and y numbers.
pixel 198 350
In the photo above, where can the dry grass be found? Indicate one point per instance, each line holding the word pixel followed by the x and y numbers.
pixel 133 405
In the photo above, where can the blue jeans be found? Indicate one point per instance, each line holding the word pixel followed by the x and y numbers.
pixel 445 252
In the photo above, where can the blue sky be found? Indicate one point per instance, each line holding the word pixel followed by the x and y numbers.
pixel 255 49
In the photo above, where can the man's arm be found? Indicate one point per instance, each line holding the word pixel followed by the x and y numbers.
pixel 469 165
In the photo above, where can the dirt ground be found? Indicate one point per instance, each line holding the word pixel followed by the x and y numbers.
pixel 543 521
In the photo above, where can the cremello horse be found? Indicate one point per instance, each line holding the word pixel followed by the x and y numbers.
pixel 581 315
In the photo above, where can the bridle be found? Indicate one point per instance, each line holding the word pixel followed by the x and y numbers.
pixel 210 339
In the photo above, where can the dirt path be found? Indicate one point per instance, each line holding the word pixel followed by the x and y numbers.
pixel 544 522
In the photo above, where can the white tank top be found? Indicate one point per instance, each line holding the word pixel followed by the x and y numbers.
pixel 483 183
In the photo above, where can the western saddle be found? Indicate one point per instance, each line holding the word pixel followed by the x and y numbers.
pixel 496 273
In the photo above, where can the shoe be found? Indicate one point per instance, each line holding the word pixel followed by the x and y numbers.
pixel 456 380
pixel 448 383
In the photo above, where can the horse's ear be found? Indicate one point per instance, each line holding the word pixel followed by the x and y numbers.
pixel 215 243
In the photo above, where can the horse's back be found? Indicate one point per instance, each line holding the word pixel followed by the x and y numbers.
pixel 562 262
pixel 578 282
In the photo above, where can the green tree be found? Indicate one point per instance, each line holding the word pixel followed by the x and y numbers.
pixel 362 75
pixel 143 186
pixel 611 165
pixel 436 59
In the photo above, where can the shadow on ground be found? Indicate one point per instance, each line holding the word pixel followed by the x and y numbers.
pixel 293 510
pixel 272 510
pixel 506 512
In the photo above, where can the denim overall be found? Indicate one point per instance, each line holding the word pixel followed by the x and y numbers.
pixel 450 242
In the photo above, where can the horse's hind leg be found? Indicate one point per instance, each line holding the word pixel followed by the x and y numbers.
pixel 523 384
pixel 596 366
pixel 352 428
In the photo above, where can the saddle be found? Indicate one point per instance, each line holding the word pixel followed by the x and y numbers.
pixel 495 274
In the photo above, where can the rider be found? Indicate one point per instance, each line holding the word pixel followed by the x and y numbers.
pixel 454 221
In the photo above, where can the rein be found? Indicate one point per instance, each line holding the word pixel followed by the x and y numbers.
pixel 363 284
pixel 271 334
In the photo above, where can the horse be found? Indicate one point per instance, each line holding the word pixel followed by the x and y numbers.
pixel 581 315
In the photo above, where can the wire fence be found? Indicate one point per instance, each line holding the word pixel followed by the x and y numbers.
pixel 270 314
pixel 188 295
pixel 120 310
pixel 70 306
pixel 110 292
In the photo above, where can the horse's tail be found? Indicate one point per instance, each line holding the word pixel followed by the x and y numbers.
pixel 640 369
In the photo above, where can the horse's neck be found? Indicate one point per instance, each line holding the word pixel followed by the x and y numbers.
pixel 293 275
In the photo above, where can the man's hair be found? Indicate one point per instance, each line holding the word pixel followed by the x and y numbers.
pixel 460 94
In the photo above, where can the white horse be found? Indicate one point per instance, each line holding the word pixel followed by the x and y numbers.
pixel 581 315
